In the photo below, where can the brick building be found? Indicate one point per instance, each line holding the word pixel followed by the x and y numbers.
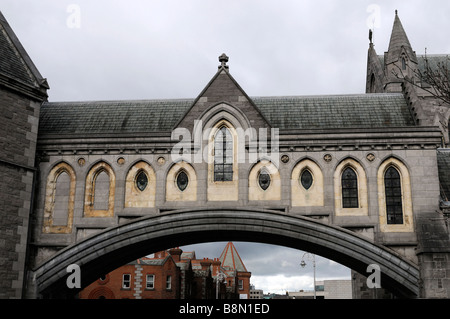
pixel 174 274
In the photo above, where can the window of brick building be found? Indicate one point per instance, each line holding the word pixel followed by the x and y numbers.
pixel 126 281
pixel 169 282
pixel 150 282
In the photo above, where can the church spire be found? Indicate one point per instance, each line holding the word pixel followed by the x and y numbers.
pixel 399 43
pixel 230 258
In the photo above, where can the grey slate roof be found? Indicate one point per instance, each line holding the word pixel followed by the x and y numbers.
pixel 336 111
pixel 14 60
pixel 287 112
pixel 443 158
pixel 111 116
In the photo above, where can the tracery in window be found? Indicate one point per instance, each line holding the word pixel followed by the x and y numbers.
pixel 182 180
pixel 306 179
pixel 141 180
pixel 264 179
pixel 393 194
pixel 223 155
pixel 349 188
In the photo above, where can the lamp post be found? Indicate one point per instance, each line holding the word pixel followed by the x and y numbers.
pixel 311 257
pixel 220 277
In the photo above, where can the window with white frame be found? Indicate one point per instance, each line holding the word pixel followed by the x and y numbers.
pixel 169 282
pixel 126 281
pixel 150 282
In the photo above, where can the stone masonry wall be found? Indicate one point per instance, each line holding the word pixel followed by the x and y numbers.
pixel 19 119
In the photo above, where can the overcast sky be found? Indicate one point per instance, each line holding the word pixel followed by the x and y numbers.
pixel 136 49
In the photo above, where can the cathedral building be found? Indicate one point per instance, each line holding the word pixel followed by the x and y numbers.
pixel 375 164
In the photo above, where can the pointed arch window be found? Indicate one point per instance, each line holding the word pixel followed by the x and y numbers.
pixel 393 193
pixel 403 64
pixel 349 188
pixel 223 155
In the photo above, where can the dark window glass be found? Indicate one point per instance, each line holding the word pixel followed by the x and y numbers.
pixel 403 64
pixel 182 181
pixel 223 156
pixel 141 180
pixel 264 179
pixel 349 189
pixel 306 179
pixel 393 193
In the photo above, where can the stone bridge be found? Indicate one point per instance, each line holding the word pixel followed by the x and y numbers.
pixel 112 247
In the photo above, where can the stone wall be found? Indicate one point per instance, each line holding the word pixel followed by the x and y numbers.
pixel 18 136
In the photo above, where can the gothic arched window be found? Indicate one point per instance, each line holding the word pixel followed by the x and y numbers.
pixel 223 155
pixel 393 193
pixel 403 64
pixel 349 188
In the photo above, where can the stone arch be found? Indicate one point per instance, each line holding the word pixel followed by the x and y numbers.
pixel 363 202
pixel 96 170
pixel 54 198
pixel 113 247
pixel 405 179
pixel 314 196
pixel 134 197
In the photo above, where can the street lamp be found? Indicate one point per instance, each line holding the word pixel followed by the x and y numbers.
pixel 311 257
pixel 220 277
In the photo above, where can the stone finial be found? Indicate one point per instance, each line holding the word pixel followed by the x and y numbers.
pixel 223 59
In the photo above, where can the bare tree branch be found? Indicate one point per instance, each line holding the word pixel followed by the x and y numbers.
pixel 434 80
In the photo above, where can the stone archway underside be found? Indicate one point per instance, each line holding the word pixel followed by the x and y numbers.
pixel 115 246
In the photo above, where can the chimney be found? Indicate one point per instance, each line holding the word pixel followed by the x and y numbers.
pixel 176 254
pixel 205 263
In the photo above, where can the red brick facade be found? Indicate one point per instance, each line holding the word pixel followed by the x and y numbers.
pixel 169 275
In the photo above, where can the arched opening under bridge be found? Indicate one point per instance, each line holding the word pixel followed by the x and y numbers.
pixel 115 246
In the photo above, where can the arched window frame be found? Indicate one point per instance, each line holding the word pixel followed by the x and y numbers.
pixel 255 191
pixel 222 190
pixel 134 197
pixel 314 196
pixel 407 225
pixel 173 193
pixel 350 193
pixel 394 201
pixel 362 209
pixel 49 205
pixel 225 168
pixel 89 198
